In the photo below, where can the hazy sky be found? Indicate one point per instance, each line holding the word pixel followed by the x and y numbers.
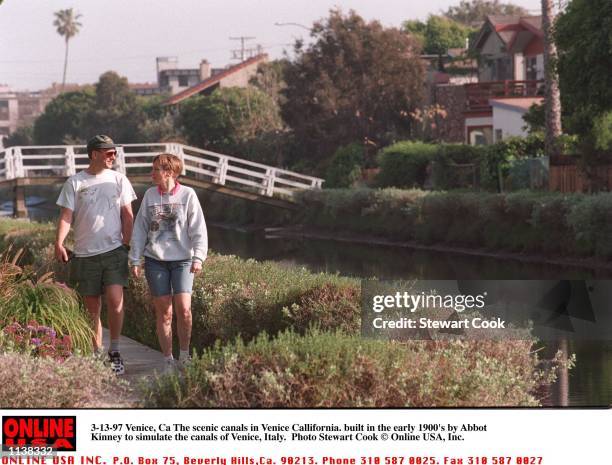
pixel 127 35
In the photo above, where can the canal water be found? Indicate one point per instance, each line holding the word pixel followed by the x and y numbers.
pixel 590 381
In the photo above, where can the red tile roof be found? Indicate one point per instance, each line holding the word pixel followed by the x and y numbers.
pixel 211 81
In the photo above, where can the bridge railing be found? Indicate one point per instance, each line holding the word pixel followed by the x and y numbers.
pixel 136 159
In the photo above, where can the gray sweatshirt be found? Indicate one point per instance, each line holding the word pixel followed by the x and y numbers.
pixel 169 226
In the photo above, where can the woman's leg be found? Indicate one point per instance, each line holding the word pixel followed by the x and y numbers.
pixel 182 307
pixel 182 283
pixel 158 277
pixel 163 322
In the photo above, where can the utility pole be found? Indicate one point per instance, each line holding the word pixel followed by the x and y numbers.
pixel 242 52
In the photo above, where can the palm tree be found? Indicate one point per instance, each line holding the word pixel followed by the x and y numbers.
pixel 67 24
pixel 552 104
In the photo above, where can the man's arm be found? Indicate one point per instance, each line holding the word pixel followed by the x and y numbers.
pixel 63 228
pixel 127 223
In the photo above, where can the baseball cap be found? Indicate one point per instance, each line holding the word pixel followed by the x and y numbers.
pixel 100 142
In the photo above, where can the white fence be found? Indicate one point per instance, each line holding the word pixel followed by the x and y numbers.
pixel 136 159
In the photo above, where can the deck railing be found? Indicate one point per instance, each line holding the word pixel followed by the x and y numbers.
pixel 136 159
pixel 479 93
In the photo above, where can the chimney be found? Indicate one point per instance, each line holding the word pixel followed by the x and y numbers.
pixel 204 70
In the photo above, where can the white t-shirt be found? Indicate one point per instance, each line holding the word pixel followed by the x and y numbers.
pixel 96 201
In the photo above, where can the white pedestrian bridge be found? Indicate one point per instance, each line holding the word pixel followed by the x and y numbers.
pixel 48 165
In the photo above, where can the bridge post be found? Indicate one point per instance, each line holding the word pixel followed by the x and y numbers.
pixel 70 161
pixel 19 206
pixel 178 151
pixel 268 182
pixel 8 163
pixel 222 170
pixel 18 171
pixel 120 160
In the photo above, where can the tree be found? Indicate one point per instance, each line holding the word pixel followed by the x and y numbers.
pixel 67 24
pixel 584 39
pixel 230 120
pixel 22 136
pixel 357 82
pixel 438 34
pixel 63 118
pixel 473 13
pixel 117 111
pixel 270 78
pixel 552 101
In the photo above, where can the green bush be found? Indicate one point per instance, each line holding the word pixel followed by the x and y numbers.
pixel 234 297
pixel 404 164
pixel 345 166
pixel 549 223
pixel 321 369
pixel 446 173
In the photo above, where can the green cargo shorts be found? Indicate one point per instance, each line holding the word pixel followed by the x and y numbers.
pixel 89 275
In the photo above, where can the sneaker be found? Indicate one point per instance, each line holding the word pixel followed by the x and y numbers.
pixel 169 367
pixel 116 363
pixel 183 363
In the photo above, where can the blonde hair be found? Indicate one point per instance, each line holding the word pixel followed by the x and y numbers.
pixel 169 162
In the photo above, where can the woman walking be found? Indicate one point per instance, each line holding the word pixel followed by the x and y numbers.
pixel 170 232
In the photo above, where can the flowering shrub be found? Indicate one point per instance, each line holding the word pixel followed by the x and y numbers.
pixel 42 382
pixel 37 340
pixel 328 369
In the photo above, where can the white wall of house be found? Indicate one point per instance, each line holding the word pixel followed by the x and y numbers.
pixel 9 120
pixel 508 121
pixel 241 77
pixel 519 67
pixel 175 84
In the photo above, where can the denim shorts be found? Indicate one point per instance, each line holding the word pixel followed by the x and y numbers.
pixel 168 277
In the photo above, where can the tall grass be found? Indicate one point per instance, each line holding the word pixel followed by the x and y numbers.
pixel 24 298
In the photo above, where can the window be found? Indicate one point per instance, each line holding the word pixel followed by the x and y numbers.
pixel 531 68
pixel 183 81
pixel 4 110
pixel 499 135
pixel 502 69
pixel 480 135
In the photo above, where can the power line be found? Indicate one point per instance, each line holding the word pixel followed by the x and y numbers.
pixel 242 52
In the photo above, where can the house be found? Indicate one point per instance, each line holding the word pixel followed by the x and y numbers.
pixel 9 111
pixel 21 108
pixel 510 78
pixel 233 76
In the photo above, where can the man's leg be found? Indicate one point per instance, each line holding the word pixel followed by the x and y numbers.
pixel 182 306
pixel 93 305
pixel 163 323
pixel 114 306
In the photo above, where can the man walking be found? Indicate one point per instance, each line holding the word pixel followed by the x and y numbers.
pixel 99 200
